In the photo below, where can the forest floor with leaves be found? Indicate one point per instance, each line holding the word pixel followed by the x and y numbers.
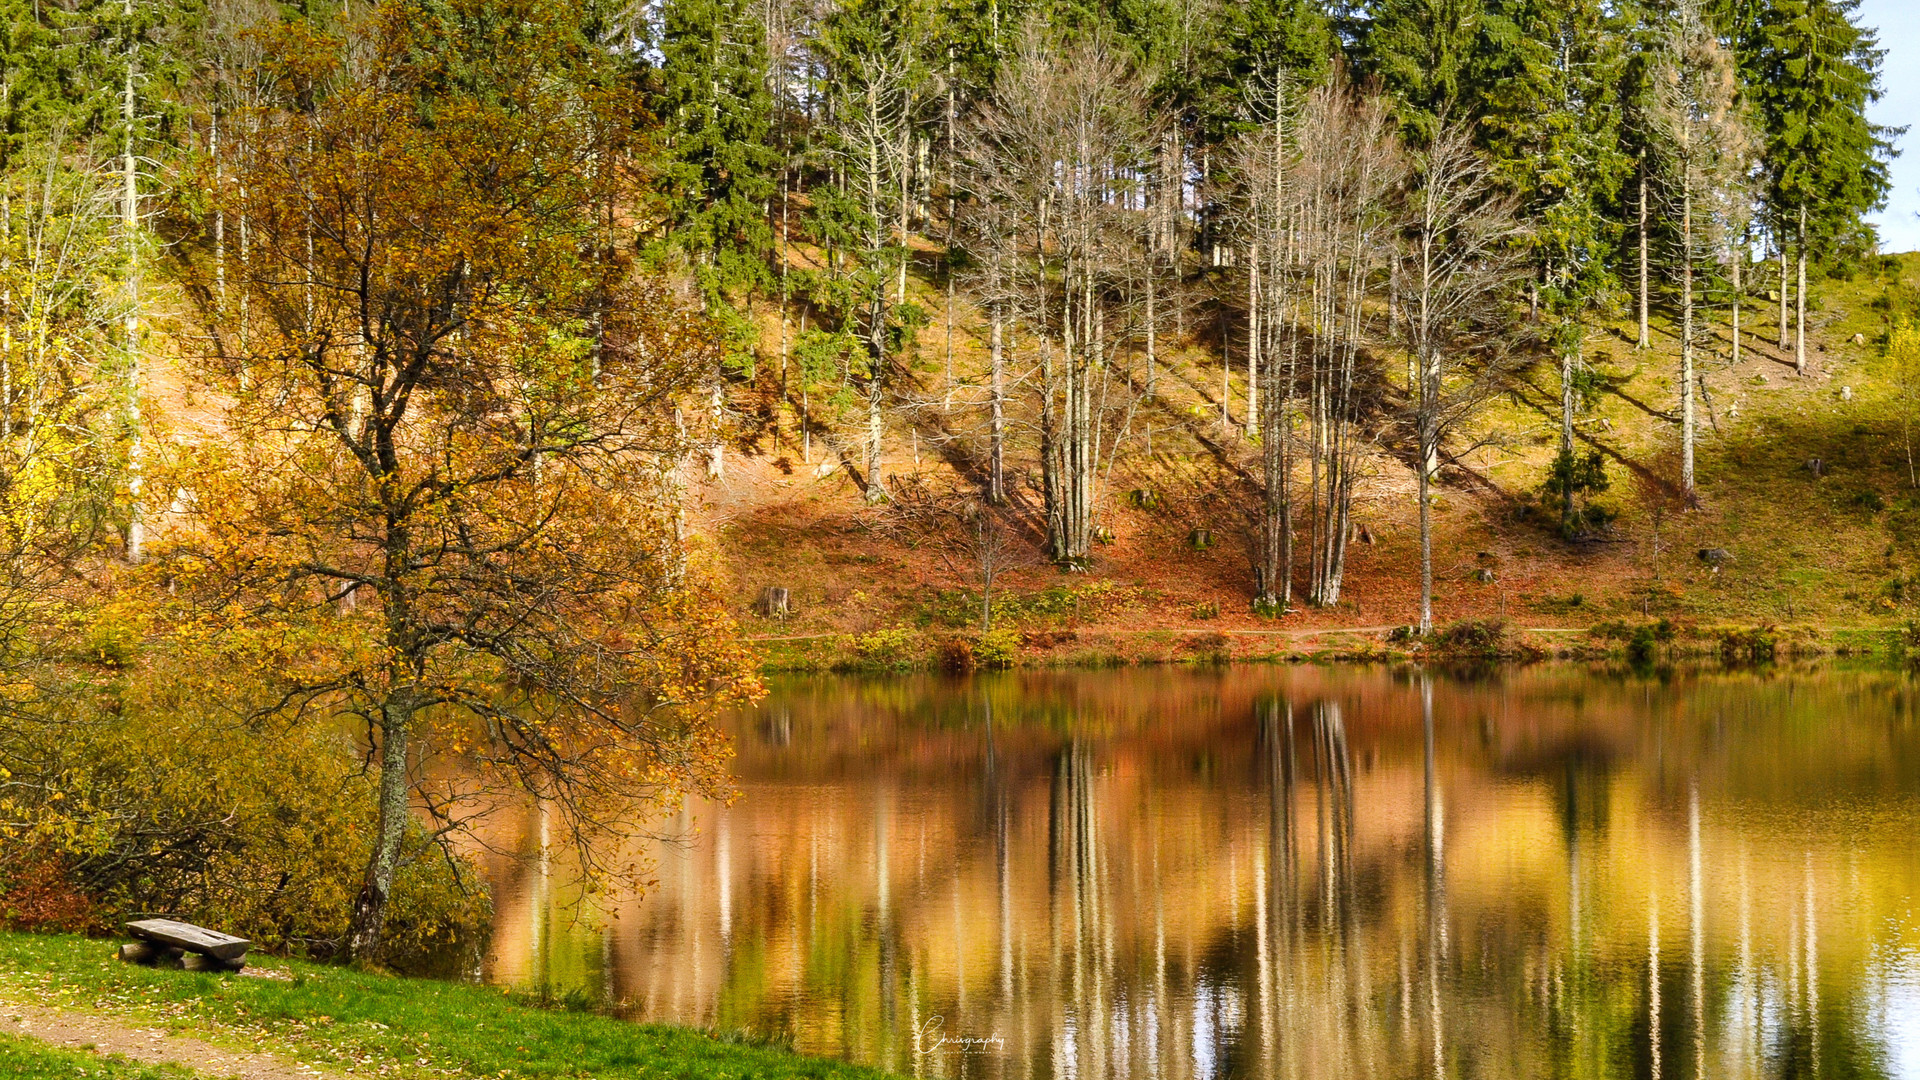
pixel 1828 557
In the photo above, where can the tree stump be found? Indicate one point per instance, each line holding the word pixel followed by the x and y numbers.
pixel 774 603
pixel 1200 539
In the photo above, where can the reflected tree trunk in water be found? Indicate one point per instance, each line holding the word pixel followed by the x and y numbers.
pixel 1653 983
pixel 1435 820
pixel 1812 966
pixel 883 926
pixel 1153 924
pixel 1697 959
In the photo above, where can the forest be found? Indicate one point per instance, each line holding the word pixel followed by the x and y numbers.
pixel 402 404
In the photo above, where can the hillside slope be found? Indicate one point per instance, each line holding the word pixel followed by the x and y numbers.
pixel 1833 546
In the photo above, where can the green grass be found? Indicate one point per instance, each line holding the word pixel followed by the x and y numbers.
pixel 25 1057
pixel 379 1023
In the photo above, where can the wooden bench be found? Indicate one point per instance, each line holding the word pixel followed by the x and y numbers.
pixel 196 947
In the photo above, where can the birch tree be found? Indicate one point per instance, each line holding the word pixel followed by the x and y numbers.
pixel 1705 147
pixel 1059 147
pixel 1351 167
pixel 1461 271
pixel 872 56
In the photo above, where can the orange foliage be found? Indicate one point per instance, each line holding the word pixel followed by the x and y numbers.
pixel 447 501
pixel 38 894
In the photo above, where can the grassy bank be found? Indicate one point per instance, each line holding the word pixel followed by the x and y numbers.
pixel 906 648
pixel 362 1022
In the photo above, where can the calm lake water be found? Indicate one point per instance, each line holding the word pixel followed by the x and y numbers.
pixel 1287 872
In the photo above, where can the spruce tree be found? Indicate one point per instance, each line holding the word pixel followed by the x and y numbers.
pixel 721 166
pixel 1425 53
pixel 1552 121
pixel 718 178
pixel 1813 73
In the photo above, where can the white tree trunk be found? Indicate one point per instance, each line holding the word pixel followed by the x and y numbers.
pixel 136 525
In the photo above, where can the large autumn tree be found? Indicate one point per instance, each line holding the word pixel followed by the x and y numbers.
pixel 453 437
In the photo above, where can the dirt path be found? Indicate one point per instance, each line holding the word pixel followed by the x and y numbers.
pixel 149 1045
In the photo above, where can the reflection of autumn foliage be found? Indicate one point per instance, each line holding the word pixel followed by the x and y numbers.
pixel 446 500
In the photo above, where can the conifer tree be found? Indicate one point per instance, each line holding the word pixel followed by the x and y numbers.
pixel 717 117
pixel 1426 52
pixel 1552 121
pixel 1814 73
pixel 1706 147
pixel 721 165
pixel 874 57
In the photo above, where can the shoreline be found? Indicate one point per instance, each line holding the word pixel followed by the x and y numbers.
pixel 902 649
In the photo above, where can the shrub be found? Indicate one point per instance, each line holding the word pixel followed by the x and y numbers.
pixel 259 830
pixel 1211 648
pixel 890 648
pixel 955 654
pixel 163 793
pixel 109 641
pixel 1640 646
pixel 1486 638
pixel 1752 646
pixel 37 892
pixel 1576 479
pixel 997 650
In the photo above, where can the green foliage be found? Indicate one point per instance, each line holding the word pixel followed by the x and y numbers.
pixel 1572 481
pixel 720 165
pixel 1548 78
pixel 1812 71
pixel 1053 606
pixel 1640 646
pixel 997 650
pixel 891 648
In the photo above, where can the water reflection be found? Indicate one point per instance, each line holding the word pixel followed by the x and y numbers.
pixel 1289 873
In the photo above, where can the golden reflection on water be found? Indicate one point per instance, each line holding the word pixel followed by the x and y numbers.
pixel 1287 873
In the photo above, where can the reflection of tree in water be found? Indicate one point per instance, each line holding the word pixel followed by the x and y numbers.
pixel 1334 875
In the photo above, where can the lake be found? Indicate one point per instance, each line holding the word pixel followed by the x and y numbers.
pixel 1284 872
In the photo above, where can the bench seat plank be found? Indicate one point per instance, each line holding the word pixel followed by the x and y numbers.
pixel 191 938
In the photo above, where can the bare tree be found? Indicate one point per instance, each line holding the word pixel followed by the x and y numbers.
pixel 877 77
pixel 1055 154
pixel 1706 149
pixel 969 534
pixel 1315 205
pixel 1461 267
